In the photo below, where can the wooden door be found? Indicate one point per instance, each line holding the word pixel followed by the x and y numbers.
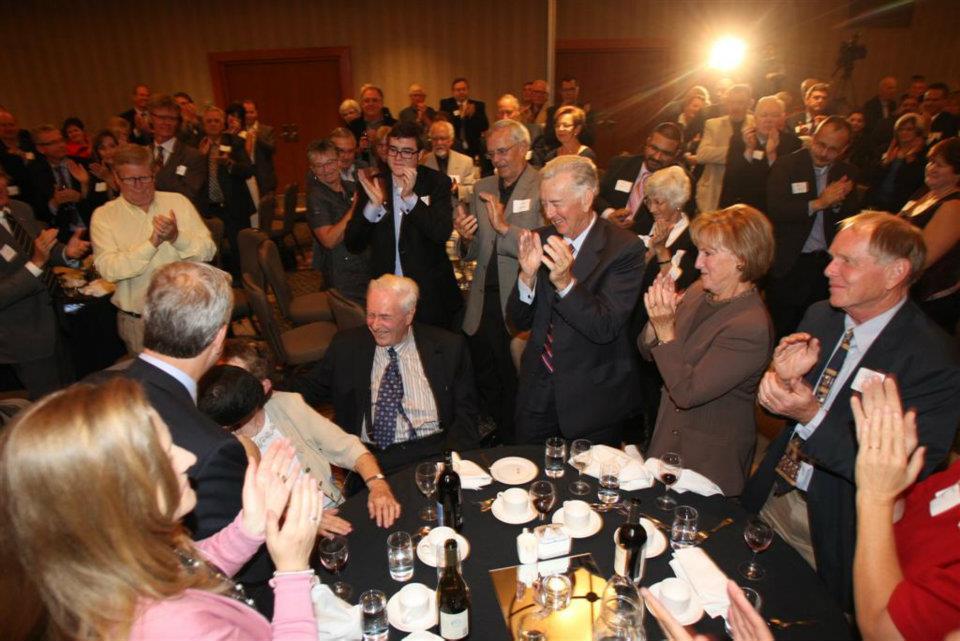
pixel 626 82
pixel 297 91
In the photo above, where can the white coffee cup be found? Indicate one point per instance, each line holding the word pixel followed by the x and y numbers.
pixel 515 501
pixel 576 514
pixel 675 595
pixel 414 601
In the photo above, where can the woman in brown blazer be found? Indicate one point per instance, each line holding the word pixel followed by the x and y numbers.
pixel 712 345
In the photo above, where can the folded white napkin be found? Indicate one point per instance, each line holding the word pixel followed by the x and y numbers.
pixel 472 476
pixel 336 619
pixel 633 475
pixel 694 566
pixel 689 481
pixel 422 635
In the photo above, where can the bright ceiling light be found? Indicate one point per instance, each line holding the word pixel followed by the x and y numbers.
pixel 727 53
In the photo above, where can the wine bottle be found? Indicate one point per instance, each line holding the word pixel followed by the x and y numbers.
pixel 631 540
pixel 453 596
pixel 449 497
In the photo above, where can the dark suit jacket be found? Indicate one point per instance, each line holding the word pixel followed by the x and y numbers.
pixel 191 183
pixel 264 149
pixel 924 361
pixel 745 181
pixel 28 324
pixel 873 111
pixel 788 211
pixel 137 138
pixel 233 181
pixel 423 238
pixel 42 187
pixel 16 168
pixel 943 126
pixel 710 373
pixel 595 372
pixel 474 126
pixel 343 379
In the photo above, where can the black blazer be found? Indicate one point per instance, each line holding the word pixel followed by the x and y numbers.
pixel 141 138
pixel 745 181
pixel 595 373
pixel 264 148
pixel 42 187
pixel 343 379
pixel 16 168
pixel 473 127
pixel 788 211
pixel 873 111
pixel 194 171
pixel 423 238
pixel 924 361
pixel 233 181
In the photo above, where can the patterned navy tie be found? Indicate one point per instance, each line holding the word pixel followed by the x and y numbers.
pixel 389 403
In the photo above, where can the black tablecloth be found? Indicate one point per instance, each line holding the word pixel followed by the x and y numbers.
pixel 89 328
pixel 790 590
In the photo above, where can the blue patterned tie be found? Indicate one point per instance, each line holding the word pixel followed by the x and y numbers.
pixel 389 399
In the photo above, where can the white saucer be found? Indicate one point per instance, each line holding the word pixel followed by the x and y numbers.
pixel 594 526
pixel 694 611
pixel 514 470
pixel 425 550
pixel 501 515
pixel 428 620
pixel 656 540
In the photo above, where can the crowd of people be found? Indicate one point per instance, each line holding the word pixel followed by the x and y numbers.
pixel 806 263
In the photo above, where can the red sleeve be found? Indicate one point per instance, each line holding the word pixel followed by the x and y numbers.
pixel 929 606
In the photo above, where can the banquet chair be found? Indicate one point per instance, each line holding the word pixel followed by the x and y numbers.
pixel 346 313
pixel 241 307
pixel 305 308
pixel 249 241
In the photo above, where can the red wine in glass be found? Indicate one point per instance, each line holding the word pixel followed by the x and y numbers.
pixel 758 536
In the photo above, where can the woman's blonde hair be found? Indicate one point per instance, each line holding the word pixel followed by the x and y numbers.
pixel 82 479
pixel 744 232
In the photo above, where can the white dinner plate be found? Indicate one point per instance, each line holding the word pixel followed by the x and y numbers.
pixel 425 622
pixel 425 549
pixel 514 470
pixel 691 615
pixel 593 525
pixel 656 540
pixel 501 515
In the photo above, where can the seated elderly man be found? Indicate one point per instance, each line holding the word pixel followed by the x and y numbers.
pixel 264 417
pixel 443 158
pixel 405 389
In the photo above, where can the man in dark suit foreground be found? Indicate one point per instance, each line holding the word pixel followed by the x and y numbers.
pixel 28 326
pixel 579 281
pixel 405 389
pixel 185 317
pixel 405 217
pixel 869 328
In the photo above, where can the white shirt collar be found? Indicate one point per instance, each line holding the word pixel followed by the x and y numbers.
pixel 169 145
pixel 866 332
pixel 578 241
pixel 182 377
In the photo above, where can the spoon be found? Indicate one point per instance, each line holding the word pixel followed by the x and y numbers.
pixel 703 535
pixel 419 534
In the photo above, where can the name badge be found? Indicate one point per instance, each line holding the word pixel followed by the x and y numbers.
pixel 8 253
pixel 226 149
pixel 456 112
pixel 521 205
pixel 426 200
pixel 181 170
pixel 758 154
pixel 100 187
pixel 624 185
pixel 946 499
pixel 243 135
pixel 863 376
pixel 29 155
pixel 799 188
pixel 13 190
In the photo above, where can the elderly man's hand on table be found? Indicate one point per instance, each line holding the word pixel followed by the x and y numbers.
pixel 383 506
pixel 331 524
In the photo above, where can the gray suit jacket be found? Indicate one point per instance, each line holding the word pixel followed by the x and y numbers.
pixel 27 322
pixel 459 165
pixel 710 375
pixel 481 247
pixel 187 181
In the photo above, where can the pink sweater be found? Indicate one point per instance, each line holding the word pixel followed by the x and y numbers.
pixel 196 615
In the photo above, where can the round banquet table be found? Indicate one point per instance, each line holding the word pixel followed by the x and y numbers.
pixel 790 589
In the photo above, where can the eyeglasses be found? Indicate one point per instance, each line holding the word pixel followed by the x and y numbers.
pixel 405 152
pixel 661 152
pixel 324 165
pixel 503 151
pixel 137 181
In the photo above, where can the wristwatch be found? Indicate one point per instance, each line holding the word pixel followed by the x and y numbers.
pixel 367 480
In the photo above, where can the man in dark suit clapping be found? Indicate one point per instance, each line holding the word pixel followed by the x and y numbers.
pixel 179 167
pixel 469 117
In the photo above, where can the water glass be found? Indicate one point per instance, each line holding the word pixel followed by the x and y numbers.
pixel 400 556
pixel 373 606
pixel 609 489
pixel 620 619
pixel 555 455
pixel 683 534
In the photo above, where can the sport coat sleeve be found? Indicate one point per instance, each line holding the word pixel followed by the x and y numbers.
pixel 191 182
pixel 20 283
pixel 462 433
pixel 716 140
pixel 219 482
pixel 434 220
pixel 783 206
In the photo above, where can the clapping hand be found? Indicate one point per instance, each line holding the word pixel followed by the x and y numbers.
pixel 750 139
pixel 164 229
pixel 661 301
pixel 267 485
pixel 834 193
pixel 795 356
pixel 78 172
pixel 621 217
pixel 661 231
pixel 371 185
pixel 888 461
pixel 530 255
pixel 558 258
pixel 76 247
pixel 495 213
pixel 290 546
pixel 42 245
pixel 794 400
pixel 465 224
pixel 406 178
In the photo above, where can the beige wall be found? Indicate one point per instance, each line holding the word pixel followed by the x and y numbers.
pixel 802 29
pixel 83 57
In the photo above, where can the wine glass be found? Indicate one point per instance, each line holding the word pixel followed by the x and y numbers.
pixel 669 468
pixel 579 447
pixel 758 536
pixel 426 476
pixel 333 555
pixel 544 496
